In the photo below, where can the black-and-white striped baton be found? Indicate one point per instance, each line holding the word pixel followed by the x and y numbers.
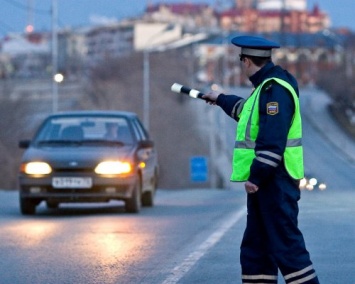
pixel 178 88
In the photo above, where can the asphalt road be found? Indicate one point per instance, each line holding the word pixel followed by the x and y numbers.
pixel 103 244
pixel 190 236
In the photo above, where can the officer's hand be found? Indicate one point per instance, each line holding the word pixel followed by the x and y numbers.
pixel 250 187
pixel 211 96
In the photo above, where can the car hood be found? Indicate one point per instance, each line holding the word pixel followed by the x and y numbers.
pixel 81 157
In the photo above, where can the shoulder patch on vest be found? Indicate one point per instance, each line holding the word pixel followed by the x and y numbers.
pixel 272 108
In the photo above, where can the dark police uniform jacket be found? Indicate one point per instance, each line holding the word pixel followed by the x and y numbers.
pixel 273 129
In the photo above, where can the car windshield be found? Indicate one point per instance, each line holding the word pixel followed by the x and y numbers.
pixel 88 130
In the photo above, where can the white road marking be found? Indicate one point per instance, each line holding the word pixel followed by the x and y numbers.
pixel 180 270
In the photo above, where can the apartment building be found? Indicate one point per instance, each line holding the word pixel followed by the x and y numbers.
pixel 191 16
pixel 111 41
pixel 269 16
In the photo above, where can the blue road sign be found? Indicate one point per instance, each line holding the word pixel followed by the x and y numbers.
pixel 198 169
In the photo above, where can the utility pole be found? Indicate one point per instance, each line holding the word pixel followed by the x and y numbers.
pixel 146 73
pixel 54 55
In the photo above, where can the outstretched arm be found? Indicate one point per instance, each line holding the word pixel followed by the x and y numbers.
pixel 232 105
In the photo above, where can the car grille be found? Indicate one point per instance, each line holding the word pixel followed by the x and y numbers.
pixel 72 170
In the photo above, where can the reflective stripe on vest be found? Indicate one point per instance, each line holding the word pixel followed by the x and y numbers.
pixel 247 132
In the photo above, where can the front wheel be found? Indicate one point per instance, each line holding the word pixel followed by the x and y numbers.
pixel 148 199
pixel 148 196
pixel 27 206
pixel 133 204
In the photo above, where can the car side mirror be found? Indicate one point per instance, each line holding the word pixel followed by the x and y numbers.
pixel 146 144
pixel 24 144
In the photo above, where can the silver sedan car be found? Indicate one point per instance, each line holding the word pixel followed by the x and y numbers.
pixel 88 156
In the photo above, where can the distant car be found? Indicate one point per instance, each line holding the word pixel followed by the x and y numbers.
pixel 310 182
pixel 88 156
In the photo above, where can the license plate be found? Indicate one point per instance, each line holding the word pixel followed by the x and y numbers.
pixel 72 182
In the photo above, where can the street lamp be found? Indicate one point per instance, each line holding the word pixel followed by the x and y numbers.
pixel 146 76
pixel 58 78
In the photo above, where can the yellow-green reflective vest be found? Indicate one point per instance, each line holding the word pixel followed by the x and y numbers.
pixel 247 132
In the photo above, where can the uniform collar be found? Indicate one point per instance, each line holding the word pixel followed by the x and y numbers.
pixel 260 75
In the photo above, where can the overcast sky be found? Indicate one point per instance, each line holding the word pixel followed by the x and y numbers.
pixel 14 14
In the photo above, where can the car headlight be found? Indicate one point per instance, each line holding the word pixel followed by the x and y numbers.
pixel 113 168
pixel 303 183
pixel 36 168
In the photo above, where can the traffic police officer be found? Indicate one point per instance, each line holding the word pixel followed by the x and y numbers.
pixel 268 157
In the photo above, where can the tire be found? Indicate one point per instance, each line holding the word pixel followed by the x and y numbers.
pixel 133 204
pixel 148 196
pixel 27 206
pixel 148 199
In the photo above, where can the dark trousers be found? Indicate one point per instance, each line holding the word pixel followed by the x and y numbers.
pixel 272 239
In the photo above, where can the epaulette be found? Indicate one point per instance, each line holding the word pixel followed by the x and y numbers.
pixel 268 87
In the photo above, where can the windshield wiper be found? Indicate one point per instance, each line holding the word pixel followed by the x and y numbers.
pixel 81 142
pixel 102 141
pixel 59 142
